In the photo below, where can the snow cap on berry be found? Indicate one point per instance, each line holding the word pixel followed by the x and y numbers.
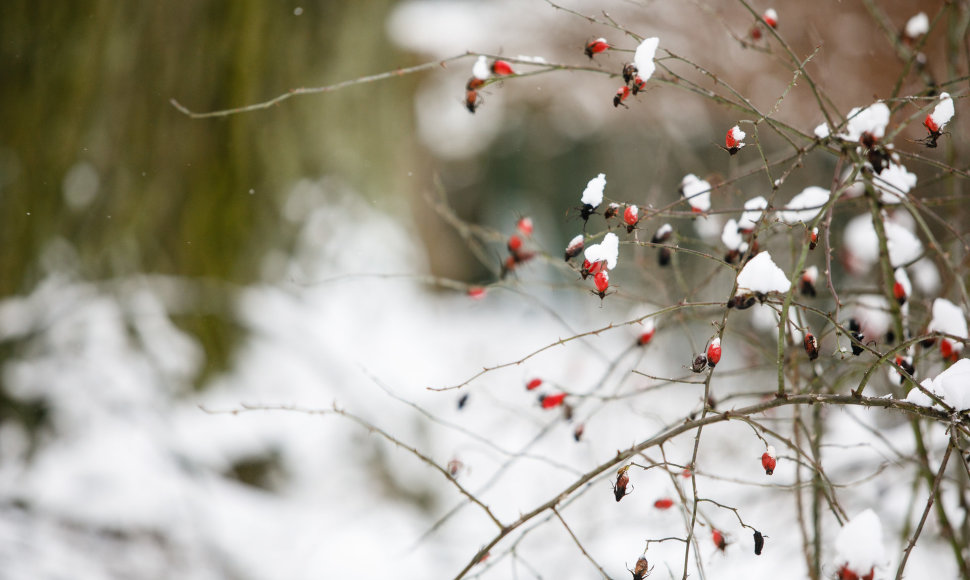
pixel 770 17
pixel 631 215
pixel 593 194
pixel 805 206
pixel 754 208
pixel 646 332
pixel 872 120
pixel 761 274
pixel 735 138
pixel 663 234
pixel 714 352
pixel 861 240
pixel 950 385
pixel 697 192
pixel 902 287
pixel 948 318
pixel 524 225
pixel 481 70
pixel 917 25
pixel 941 115
pixel 606 251
pixel 574 247
pixel 643 58
pixel 732 238
pixel 893 183
pixel 859 543
pixel 596 46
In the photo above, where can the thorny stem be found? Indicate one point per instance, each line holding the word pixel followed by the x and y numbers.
pixel 580 545
pixel 933 495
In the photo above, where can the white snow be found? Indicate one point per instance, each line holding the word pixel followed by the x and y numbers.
pixel 593 194
pixel 770 15
pixel 753 210
pixel 664 230
pixel 731 237
pixel 860 239
pixel 952 385
pixel 805 206
pixel 943 111
pixel 926 277
pixel 859 543
pixel 606 251
pixel 761 274
pixel 532 59
pixel 872 119
pixel 696 191
pixel 822 131
pixel 918 397
pixel 643 58
pixel 948 318
pixel 917 25
pixel 893 183
pixel 480 70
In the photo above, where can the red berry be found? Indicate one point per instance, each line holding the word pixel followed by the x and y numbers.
pixel 714 352
pixel 949 351
pixel 533 384
pixel 515 243
pixel 686 473
pixel 664 503
pixel 899 292
pixel 621 95
pixel 768 461
pixel 845 573
pixel 645 337
pixel 551 401
pixel 602 281
pixel 596 46
pixel 638 84
pixel 811 346
pixel 524 226
pixel 502 68
pixel 631 215
pixel 930 124
pixel 731 141
pixel 594 268
pixel 770 17
pixel 718 539
pixel 472 101
pixel 476 292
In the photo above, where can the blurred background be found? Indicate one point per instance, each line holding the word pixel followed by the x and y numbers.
pixel 152 262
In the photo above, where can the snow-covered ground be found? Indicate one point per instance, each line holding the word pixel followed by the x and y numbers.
pixel 131 481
